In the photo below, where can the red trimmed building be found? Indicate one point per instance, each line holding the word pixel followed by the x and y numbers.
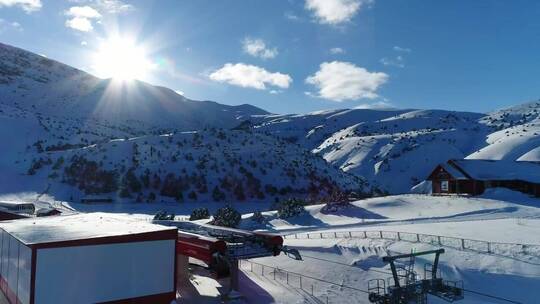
pixel 87 258
pixel 473 176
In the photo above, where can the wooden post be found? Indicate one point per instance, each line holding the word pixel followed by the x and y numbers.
pixel 489 247
pixel 350 234
pixel 380 233
pixel 365 235
pixel 463 244
pixel 418 238
pixel 439 239
pixel 398 236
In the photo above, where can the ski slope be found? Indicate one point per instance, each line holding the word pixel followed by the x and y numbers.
pixel 351 262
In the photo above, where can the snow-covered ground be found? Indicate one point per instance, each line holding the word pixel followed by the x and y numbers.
pixel 339 267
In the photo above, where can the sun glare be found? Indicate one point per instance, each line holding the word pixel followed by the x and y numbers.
pixel 122 59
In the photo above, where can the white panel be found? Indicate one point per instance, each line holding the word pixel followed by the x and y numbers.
pixel 13 261
pixel 99 273
pixel 25 269
pixel 5 254
pixel 3 247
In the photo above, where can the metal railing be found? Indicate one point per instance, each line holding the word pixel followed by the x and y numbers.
pixel 308 286
pixel 512 250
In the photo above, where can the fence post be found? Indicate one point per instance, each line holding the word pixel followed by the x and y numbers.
pixel 311 289
pixel 321 235
pixel 295 236
pixel 380 233
pixel 398 236
pixel 418 238
pixel 489 247
pixel 439 239
pixel 307 235
pixel 350 234
pixel 301 282
pixel 262 271
pixel 365 235
pixel 335 235
pixel 251 266
pixel 287 277
pixel 463 244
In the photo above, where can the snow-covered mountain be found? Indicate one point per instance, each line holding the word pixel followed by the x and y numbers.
pixel 47 87
pixel 64 128
pixel 70 134
pixel 396 149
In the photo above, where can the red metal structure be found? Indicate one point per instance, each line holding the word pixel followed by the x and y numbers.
pixel 219 247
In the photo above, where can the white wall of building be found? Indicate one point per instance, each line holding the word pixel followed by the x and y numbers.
pixel 15 267
pixel 99 273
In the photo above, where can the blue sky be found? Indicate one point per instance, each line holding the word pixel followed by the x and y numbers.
pixel 304 55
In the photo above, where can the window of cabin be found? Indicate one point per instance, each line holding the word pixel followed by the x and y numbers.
pixel 444 186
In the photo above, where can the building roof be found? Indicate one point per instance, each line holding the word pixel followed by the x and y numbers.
pixel 78 226
pixel 453 171
pixel 480 169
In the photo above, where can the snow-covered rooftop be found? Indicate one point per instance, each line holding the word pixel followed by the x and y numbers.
pixel 500 169
pixel 453 171
pixel 77 226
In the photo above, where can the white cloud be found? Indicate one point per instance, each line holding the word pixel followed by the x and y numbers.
pixel 114 6
pixel 250 76
pixel 395 62
pixel 80 24
pixel 336 51
pixel 335 11
pixel 275 91
pixel 27 5
pixel 81 18
pixel 83 11
pixel 401 49
pixel 258 48
pixel 291 16
pixel 339 81
pixel 6 25
pixel 84 43
pixel 380 105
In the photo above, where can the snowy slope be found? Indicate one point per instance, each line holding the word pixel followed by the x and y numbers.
pixel 338 265
pixel 518 135
pixel 45 86
pixel 206 165
pixel 380 145
pixel 47 106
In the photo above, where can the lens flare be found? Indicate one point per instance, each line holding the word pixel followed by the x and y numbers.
pixel 122 58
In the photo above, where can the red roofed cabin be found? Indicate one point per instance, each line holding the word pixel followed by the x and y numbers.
pixel 473 176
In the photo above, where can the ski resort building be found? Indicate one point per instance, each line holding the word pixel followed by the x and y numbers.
pixel 473 176
pixel 87 258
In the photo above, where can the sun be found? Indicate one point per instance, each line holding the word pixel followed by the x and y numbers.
pixel 121 58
